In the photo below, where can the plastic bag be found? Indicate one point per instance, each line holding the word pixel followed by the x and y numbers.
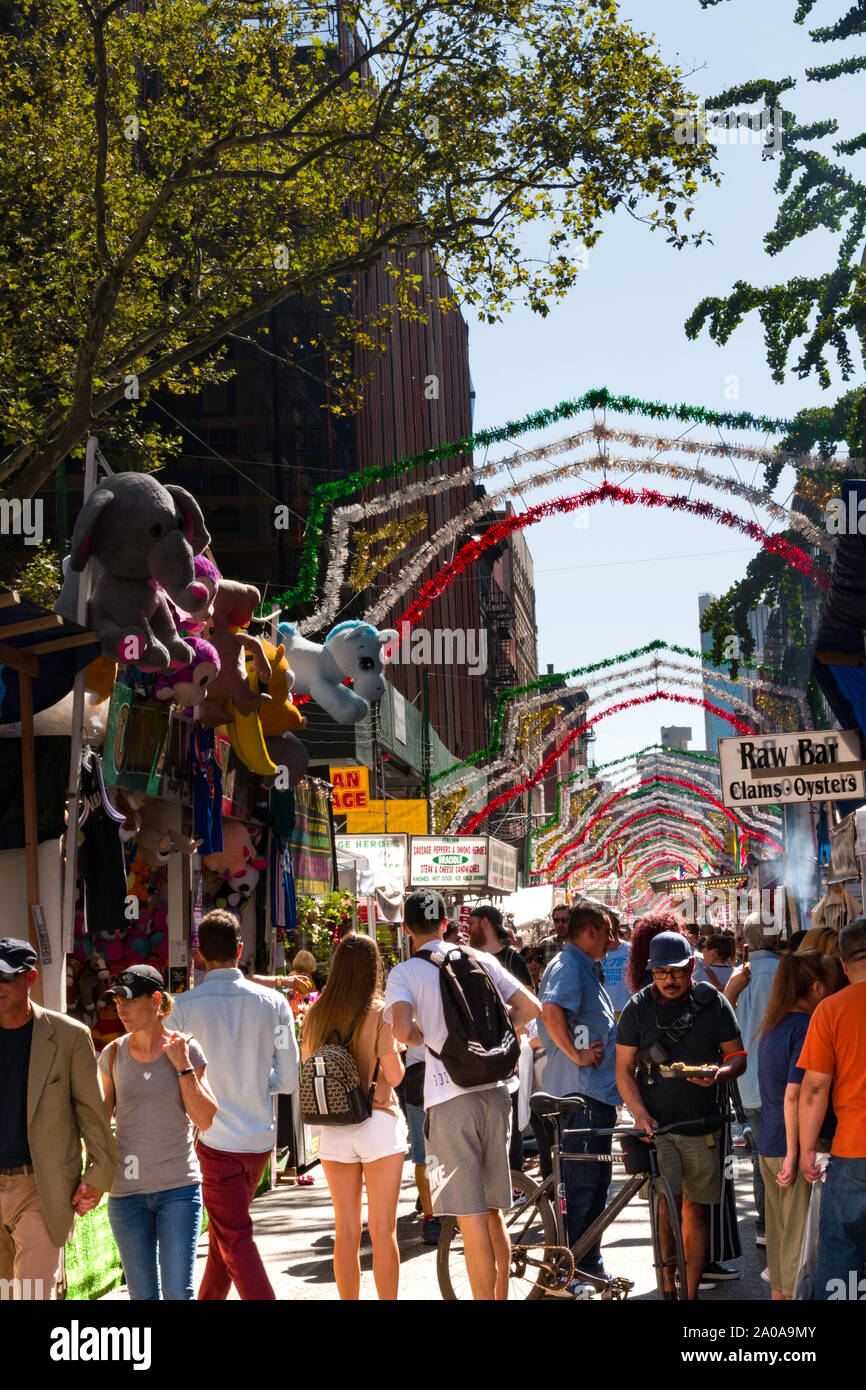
pixel 804 1284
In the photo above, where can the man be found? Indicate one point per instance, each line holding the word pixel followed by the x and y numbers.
pixel 687 1023
pixel 616 960
pixel 452 933
pixel 748 991
pixel 248 1036
pixel 834 1054
pixel 578 1031
pixel 488 933
pixel 552 945
pixel 50 1102
pixel 467 1128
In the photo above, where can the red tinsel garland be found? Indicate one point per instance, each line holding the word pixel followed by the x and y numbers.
pixel 500 800
pixel 667 835
pixel 608 492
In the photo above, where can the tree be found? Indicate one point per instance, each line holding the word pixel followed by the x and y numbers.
pixel 808 319
pixel 168 176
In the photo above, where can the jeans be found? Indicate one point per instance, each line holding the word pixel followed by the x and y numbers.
pixel 586 1184
pixel 157 1235
pixel 229 1182
pixel 754 1119
pixel 842 1231
pixel 415 1115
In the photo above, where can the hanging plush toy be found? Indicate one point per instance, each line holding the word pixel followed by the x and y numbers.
pixel 206 574
pixel 233 608
pixel 157 842
pixel 237 850
pixel 236 891
pixel 142 538
pixel 279 714
pixel 188 685
pixel 350 650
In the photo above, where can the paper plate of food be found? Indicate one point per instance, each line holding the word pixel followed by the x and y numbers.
pixel 682 1071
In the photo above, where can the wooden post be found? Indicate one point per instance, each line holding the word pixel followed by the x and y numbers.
pixel 31 831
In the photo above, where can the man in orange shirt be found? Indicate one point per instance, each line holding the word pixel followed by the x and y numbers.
pixel 834 1054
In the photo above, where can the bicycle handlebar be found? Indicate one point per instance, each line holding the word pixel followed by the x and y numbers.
pixel 645 1134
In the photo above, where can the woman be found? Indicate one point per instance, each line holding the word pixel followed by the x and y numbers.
pixel 720 957
pixel 800 982
pixel 154 1081
pixel 369 1154
pixel 636 973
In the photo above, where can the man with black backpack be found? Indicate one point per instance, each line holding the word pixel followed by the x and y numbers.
pixel 453 999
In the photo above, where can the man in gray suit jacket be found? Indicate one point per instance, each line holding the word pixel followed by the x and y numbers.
pixel 50 1102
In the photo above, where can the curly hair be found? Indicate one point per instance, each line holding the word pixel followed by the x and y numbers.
pixel 644 931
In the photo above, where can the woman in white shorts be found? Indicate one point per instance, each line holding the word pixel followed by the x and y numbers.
pixel 371 1154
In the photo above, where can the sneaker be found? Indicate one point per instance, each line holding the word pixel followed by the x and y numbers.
pixel 579 1290
pixel 765 1275
pixel 705 1285
pixel 760 1238
pixel 716 1273
pixel 432 1229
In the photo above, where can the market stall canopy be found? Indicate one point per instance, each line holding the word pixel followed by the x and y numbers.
pixel 529 904
pixel 53 649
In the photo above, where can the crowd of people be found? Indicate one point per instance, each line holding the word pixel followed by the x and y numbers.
pixel 653 1026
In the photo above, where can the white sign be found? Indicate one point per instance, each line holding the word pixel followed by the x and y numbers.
pixel 399 707
pixel 448 862
pixel 387 852
pixel 501 866
pixel 797 767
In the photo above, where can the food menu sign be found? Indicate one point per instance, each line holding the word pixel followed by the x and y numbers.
pixel 501 866
pixel 386 852
pixel 448 861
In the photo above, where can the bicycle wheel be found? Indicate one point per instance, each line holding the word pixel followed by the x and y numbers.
pixel 536 1227
pixel 663 1209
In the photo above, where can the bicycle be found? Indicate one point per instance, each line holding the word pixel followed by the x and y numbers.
pixel 542 1262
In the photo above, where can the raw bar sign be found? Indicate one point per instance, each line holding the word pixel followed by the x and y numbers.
pixel 811 766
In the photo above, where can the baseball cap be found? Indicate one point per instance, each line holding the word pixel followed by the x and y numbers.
pixel 491 914
pixel 15 956
pixel 669 950
pixel 134 982
pixel 424 908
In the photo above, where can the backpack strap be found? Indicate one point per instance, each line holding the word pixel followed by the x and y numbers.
pixel 112 1058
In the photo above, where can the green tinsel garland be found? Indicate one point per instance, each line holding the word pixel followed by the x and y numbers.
pixel 554 679
pixel 327 494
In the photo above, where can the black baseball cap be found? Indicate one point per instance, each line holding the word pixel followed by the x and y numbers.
pixel 491 914
pixel 424 908
pixel 16 956
pixel 134 982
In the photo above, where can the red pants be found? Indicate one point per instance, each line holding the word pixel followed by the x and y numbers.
pixel 228 1182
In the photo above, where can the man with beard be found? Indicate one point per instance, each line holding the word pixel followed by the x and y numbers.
pixel 674 1021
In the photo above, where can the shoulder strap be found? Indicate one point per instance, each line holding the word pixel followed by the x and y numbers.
pixel 112 1058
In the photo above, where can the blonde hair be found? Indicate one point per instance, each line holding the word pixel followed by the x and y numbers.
pixel 305 961
pixel 823 939
pixel 166 1004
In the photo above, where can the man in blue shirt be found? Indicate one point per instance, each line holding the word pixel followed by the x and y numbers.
pixel 578 1029
pixel 748 990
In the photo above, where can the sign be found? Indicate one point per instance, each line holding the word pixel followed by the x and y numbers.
pixel 399 708
pixel 457 861
pixel 407 817
pixel 351 788
pixel 312 842
pixel 385 852
pixel 501 866
pixel 790 768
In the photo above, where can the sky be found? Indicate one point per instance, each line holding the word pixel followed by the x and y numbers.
pixel 620 577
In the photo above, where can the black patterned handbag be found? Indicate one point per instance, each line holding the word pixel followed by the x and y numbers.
pixel 331 1090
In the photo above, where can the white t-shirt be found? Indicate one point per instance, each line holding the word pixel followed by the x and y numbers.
pixel 417 983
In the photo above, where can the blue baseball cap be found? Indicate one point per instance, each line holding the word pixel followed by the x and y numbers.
pixel 669 951
pixel 16 956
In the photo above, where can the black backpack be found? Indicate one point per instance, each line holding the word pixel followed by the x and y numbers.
pixel 481 1046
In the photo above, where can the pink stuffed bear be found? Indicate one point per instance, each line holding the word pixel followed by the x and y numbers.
pixel 236 852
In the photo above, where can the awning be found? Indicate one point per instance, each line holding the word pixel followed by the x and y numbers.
pixel 52 650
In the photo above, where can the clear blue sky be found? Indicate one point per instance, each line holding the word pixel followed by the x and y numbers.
pixel 633 575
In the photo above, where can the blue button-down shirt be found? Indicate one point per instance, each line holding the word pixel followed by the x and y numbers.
pixel 572 981
pixel 247 1033
pixel 750 1009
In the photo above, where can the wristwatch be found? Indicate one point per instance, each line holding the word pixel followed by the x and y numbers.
pixel 186 1071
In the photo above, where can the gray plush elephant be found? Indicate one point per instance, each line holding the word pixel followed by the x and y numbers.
pixel 142 537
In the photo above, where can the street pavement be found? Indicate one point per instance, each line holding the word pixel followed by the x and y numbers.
pixel 294 1233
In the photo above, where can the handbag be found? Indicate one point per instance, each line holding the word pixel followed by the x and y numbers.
pixel 413 1084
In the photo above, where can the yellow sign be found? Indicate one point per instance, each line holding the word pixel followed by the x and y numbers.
pixel 351 789
pixel 404 817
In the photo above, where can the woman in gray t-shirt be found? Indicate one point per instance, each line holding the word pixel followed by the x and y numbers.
pixel 153 1081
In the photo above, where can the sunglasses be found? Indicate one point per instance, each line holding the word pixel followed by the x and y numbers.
pixel 6 976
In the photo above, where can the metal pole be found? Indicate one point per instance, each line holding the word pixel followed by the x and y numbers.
pixel 425 701
pixel 71 848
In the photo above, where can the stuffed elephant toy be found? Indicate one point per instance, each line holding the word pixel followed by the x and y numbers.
pixel 142 538
pixel 351 649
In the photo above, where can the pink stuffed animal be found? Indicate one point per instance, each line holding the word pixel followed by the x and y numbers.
pixel 237 850
pixel 187 685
